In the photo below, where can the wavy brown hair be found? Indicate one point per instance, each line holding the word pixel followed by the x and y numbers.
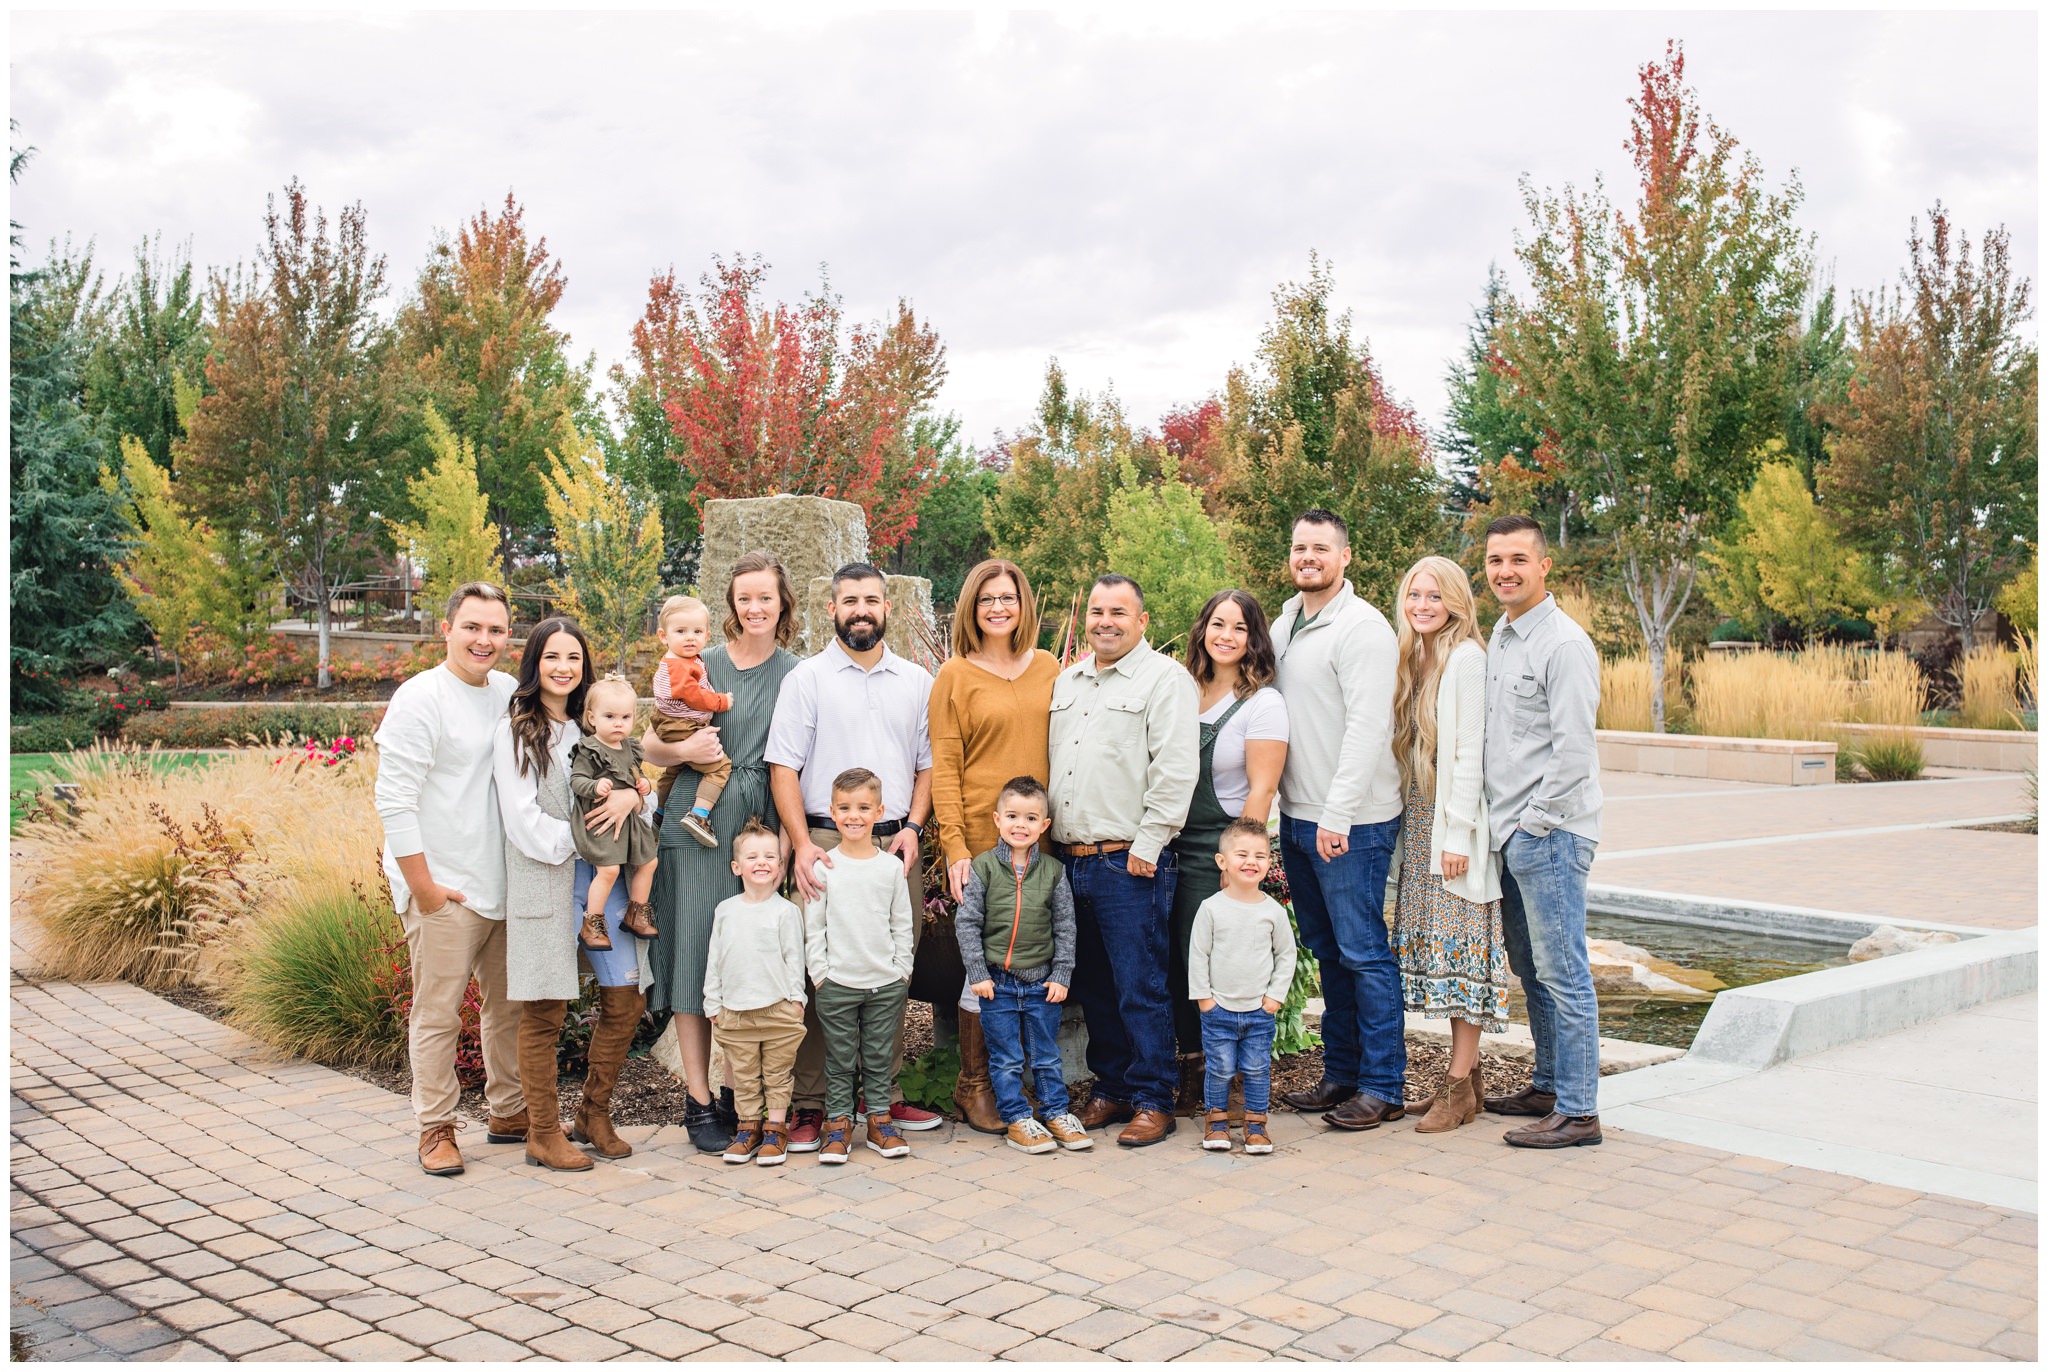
pixel 761 560
pixel 532 730
pixel 967 635
pixel 1422 667
pixel 1259 665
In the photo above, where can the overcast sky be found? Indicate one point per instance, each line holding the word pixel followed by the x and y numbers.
pixel 1122 193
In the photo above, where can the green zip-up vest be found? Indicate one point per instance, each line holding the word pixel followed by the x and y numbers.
pixel 1016 926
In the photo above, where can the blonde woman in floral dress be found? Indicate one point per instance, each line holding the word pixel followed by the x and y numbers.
pixel 1447 933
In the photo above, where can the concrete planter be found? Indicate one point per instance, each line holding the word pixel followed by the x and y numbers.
pixel 1986 750
pixel 1764 761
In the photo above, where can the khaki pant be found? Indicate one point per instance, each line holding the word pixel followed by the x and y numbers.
pixel 670 729
pixel 760 1052
pixel 448 948
pixel 810 1058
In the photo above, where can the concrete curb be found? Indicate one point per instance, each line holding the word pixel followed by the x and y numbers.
pixel 1717 912
pixel 1755 1027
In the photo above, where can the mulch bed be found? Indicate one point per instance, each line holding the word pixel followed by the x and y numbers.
pixel 2011 826
pixel 647 1094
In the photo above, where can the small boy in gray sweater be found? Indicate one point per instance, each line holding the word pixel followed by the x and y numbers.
pixel 1015 925
pixel 1240 964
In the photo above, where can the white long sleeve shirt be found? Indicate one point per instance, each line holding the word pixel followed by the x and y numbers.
pixel 1337 675
pixel 1240 952
pixel 857 933
pixel 756 956
pixel 530 829
pixel 434 788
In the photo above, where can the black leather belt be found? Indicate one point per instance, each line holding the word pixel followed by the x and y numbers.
pixel 887 828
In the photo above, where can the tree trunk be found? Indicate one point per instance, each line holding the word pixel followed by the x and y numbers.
pixel 326 677
pixel 1657 646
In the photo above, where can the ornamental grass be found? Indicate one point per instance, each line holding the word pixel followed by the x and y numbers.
pixel 1625 691
pixel 321 977
pixel 1990 688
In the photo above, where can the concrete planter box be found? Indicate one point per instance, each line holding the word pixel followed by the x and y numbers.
pixel 1986 750
pixel 1765 761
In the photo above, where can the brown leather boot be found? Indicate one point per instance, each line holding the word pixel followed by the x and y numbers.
pixel 1456 1104
pixel 620 1008
pixel 1256 1139
pixel 974 1093
pixel 592 933
pixel 506 1129
pixel 639 919
pixel 1188 1098
pixel 540 1031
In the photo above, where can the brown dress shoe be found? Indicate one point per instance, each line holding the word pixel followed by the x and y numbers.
pixel 1556 1131
pixel 1101 1110
pixel 1363 1112
pixel 1324 1095
pixel 1527 1101
pixel 439 1157
pixel 1147 1127
pixel 509 1129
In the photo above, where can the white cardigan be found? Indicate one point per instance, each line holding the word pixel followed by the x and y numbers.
pixel 1460 824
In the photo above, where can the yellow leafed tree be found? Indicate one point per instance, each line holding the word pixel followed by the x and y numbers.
pixel 608 550
pixel 454 535
pixel 171 563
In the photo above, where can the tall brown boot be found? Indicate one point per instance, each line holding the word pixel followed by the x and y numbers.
pixel 540 1029
pixel 618 1019
pixel 1456 1104
pixel 974 1093
pixel 1189 1097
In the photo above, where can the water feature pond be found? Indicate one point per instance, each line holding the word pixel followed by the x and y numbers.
pixel 1736 957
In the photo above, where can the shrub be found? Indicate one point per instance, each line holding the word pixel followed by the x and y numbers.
pixel 1989 676
pixel 319 978
pixel 111 710
pixel 242 725
pixel 1891 757
pixel 51 733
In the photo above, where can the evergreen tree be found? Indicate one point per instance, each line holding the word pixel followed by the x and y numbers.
pixel 153 348
pixel 950 536
pixel 1817 379
pixel 1482 430
pixel 66 610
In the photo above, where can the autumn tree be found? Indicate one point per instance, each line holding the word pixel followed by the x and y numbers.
pixel 1934 459
pixel 292 444
pixel 951 536
pixel 1160 537
pixel 785 398
pixel 170 568
pixel 453 534
pixel 476 339
pixel 1651 351
pixel 1312 424
pixel 1780 558
pixel 607 547
pixel 641 447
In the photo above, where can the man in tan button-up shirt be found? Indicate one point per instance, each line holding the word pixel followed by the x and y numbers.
pixel 1124 759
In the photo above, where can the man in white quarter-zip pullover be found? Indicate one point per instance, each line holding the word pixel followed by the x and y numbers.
pixel 1340 816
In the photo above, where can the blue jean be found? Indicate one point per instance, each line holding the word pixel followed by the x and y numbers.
pixel 1123 925
pixel 1237 1042
pixel 1021 1029
pixel 618 965
pixel 1543 919
pixel 1339 905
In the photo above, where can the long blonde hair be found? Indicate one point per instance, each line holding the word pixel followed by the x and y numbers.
pixel 1422 667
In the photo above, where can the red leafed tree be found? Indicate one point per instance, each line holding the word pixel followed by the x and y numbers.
pixel 1194 435
pixel 765 399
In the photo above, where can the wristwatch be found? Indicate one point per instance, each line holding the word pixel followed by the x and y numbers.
pixel 914 827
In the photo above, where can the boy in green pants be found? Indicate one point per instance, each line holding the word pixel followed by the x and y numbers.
pixel 857 948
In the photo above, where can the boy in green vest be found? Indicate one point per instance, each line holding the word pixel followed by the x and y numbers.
pixel 1016 930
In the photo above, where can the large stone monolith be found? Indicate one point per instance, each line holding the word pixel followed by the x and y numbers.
pixel 813 536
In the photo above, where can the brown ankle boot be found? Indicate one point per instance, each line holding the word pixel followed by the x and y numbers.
pixel 774 1149
pixel 1456 1104
pixel 620 1008
pixel 540 1030
pixel 974 1093
pixel 639 919
pixel 593 934
pixel 1256 1139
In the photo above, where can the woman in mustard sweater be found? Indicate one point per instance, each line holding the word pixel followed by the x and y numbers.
pixel 989 708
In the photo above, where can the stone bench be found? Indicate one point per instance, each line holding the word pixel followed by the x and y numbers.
pixel 1763 761
pixel 1984 750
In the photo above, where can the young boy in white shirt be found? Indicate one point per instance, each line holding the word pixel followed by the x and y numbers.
pixel 754 996
pixel 857 945
pixel 1240 964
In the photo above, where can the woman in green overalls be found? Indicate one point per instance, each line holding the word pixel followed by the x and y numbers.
pixel 1244 748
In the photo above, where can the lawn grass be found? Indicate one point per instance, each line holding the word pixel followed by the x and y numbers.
pixel 27 771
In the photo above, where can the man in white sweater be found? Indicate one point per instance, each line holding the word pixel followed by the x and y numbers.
pixel 444 854
pixel 1340 816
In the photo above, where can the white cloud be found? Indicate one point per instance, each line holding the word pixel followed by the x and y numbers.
pixel 1122 191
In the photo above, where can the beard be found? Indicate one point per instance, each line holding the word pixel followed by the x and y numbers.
pixel 1307 579
pixel 861 632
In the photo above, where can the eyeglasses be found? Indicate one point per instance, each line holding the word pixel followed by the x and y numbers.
pixel 997 602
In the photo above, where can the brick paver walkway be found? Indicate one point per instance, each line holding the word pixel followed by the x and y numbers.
pixel 179 1193
pixel 1721 840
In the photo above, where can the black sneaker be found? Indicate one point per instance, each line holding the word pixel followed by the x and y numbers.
pixel 707 1133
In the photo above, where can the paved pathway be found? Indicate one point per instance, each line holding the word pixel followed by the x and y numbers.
pixel 179 1193
pixel 1887 850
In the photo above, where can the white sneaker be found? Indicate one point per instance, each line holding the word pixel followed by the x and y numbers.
pixel 1029 1136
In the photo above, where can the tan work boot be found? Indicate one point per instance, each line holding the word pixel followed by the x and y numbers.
pixel 974 1094
pixel 774 1149
pixel 540 1030
pixel 1456 1104
pixel 618 1020
pixel 592 933
pixel 1029 1136
pixel 439 1157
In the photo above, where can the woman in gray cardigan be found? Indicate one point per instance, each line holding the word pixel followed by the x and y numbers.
pixel 545 887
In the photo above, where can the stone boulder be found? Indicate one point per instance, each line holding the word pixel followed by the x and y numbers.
pixel 910 632
pixel 1623 971
pixel 1885 940
pixel 813 536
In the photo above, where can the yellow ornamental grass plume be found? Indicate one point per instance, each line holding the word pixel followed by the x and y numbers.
pixel 609 551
